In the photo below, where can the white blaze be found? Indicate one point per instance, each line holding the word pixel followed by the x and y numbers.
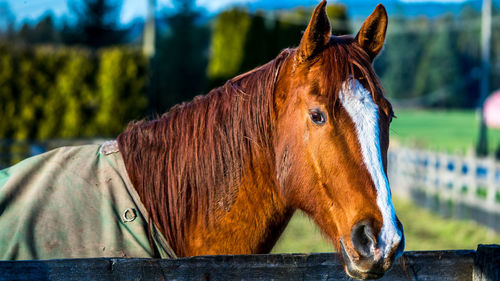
pixel 362 109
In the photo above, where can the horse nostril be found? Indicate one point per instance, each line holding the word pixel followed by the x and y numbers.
pixel 363 239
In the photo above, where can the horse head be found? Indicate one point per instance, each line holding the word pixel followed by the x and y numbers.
pixel 332 136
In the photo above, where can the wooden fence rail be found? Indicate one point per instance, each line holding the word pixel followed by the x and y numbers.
pixel 460 186
pixel 464 265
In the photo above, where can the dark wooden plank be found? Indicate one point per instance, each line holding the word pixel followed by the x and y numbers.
pixel 487 263
pixel 433 265
pixel 442 265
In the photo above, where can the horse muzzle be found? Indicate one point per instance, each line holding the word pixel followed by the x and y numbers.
pixel 367 260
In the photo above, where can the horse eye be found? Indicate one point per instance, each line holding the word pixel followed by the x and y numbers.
pixel 317 117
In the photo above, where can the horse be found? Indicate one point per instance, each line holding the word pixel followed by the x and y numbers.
pixel 224 173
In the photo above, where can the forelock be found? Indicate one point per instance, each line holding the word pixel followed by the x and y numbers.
pixel 341 61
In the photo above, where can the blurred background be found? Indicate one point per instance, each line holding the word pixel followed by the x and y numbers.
pixel 77 71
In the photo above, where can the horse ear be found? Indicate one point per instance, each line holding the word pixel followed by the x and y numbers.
pixel 317 33
pixel 371 36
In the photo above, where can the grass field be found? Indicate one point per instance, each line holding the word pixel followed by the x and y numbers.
pixel 423 231
pixel 452 131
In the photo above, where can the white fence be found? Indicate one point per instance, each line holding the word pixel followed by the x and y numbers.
pixel 467 186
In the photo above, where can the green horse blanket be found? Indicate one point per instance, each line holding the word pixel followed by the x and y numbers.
pixel 74 202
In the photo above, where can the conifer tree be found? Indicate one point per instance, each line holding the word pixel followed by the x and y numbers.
pixel 96 23
pixel 180 64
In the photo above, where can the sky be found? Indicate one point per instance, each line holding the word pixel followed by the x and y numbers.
pixel 33 9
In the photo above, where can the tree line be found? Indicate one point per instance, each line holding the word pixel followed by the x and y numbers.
pixel 89 77
pixel 436 62
pixel 94 24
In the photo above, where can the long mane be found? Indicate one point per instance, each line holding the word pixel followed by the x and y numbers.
pixel 190 161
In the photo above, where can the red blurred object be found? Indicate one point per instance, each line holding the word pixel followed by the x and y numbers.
pixel 492 110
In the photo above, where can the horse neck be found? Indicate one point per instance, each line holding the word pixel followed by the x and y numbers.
pixel 253 223
pixel 246 215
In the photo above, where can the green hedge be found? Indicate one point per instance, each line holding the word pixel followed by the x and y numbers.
pixel 242 40
pixel 48 92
